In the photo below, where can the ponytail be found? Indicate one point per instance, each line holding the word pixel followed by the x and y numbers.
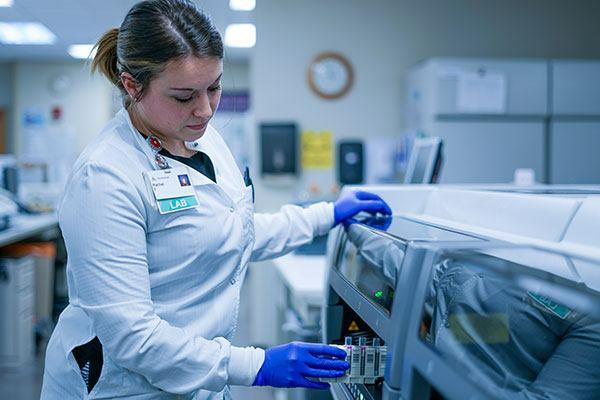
pixel 105 59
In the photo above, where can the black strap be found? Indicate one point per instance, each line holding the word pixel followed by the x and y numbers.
pixel 200 161
pixel 89 359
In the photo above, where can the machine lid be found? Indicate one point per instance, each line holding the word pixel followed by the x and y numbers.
pixel 409 230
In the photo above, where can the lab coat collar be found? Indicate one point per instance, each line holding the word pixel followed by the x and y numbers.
pixel 195 145
pixel 138 139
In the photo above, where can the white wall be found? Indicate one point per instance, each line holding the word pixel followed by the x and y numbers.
pixel 382 38
pixel 86 104
pixel 236 75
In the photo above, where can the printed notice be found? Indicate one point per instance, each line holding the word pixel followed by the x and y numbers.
pixel 317 149
pixel 481 93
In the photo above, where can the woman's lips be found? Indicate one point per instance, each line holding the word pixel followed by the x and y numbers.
pixel 197 127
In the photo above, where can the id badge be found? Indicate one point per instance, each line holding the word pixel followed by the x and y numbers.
pixel 173 189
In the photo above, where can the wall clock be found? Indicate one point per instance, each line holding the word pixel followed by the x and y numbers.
pixel 330 75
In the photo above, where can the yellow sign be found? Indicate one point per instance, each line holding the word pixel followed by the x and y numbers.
pixel 353 327
pixel 317 149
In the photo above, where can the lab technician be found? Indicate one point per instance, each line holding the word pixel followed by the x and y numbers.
pixel 155 267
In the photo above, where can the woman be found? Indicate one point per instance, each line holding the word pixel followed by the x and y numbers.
pixel 155 267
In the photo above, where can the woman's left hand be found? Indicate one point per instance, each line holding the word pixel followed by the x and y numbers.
pixel 354 202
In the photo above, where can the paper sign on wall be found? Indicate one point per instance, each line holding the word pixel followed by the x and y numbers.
pixel 317 149
pixel 481 93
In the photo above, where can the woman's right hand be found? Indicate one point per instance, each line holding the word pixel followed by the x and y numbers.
pixel 355 202
pixel 290 365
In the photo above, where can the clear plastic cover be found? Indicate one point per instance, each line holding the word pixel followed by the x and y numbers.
pixel 371 263
pixel 519 322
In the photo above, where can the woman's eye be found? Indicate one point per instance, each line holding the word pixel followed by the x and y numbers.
pixel 184 100
pixel 214 88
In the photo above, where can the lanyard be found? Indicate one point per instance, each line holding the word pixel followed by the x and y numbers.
pixel 156 146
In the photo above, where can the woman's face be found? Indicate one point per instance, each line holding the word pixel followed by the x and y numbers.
pixel 180 101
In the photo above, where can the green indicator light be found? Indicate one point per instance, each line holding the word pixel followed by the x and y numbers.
pixel 378 294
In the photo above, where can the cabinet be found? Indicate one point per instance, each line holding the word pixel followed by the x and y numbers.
pixel 574 152
pixel 575 88
pixel 16 311
pixel 575 123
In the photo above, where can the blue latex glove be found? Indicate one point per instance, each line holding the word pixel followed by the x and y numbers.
pixel 354 202
pixel 290 364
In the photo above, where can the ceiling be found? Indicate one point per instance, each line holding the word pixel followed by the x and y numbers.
pixel 84 21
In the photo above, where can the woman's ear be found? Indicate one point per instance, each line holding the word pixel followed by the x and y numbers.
pixel 131 86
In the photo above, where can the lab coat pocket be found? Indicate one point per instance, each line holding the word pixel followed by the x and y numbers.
pixel 90 362
pixel 70 333
pixel 88 372
pixel 248 197
pixel 247 204
pixel 62 376
pixel 117 382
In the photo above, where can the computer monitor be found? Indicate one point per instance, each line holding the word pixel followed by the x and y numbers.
pixel 425 161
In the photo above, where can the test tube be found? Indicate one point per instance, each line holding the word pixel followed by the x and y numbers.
pixel 382 358
pixel 370 364
pixel 347 347
pixel 355 365
pixel 362 343
pixel 376 345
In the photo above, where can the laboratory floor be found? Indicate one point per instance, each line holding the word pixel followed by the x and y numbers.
pixel 24 383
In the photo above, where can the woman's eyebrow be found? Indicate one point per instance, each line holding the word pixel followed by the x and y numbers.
pixel 192 89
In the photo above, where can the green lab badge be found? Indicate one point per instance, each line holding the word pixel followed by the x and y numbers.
pixel 177 204
pixel 557 309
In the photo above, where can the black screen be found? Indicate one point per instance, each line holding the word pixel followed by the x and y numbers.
pixel 278 144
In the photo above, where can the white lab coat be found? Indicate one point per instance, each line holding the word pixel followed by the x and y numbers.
pixel 161 292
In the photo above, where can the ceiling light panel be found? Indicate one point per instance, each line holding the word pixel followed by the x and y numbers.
pixel 240 35
pixel 25 33
pixel 242 5
pixel 82 51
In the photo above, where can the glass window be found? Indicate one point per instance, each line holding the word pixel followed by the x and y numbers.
pixel 371 262
pixel 515 326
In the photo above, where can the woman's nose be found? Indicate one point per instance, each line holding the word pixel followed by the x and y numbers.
pixel 202 108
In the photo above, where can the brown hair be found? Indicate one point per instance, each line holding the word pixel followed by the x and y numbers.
pixel 154 33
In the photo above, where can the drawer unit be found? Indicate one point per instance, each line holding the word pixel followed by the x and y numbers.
pixel 17 298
